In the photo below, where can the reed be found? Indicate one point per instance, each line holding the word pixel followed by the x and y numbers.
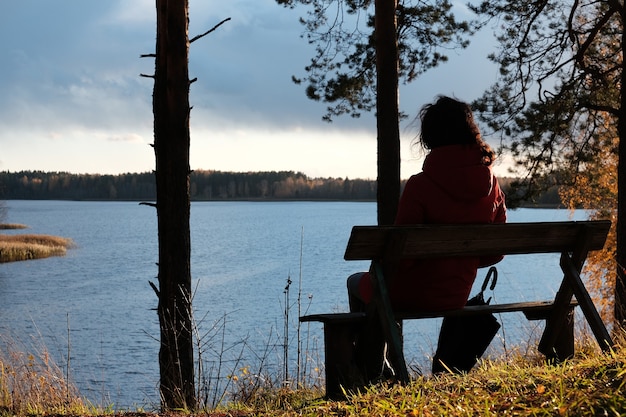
pixel 32 384
pixel 12 226
pixel 29 246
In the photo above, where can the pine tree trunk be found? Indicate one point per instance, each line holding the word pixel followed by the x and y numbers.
pixel 620 282
pixel 171 148
pixel 387 111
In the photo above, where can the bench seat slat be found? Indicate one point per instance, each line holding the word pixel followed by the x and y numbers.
pixel 482 309
pixel 526 307
pixel 333 317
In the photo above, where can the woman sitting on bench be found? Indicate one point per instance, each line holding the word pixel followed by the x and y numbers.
pixel 456 185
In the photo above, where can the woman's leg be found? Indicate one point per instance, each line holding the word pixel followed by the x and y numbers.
pixel 369 345
pixel 355 300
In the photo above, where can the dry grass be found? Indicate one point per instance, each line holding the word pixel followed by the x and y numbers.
pixel 24 247
pixel 593 384
pixel 31 384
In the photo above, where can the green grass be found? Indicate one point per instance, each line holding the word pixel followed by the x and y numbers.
pixel 28 246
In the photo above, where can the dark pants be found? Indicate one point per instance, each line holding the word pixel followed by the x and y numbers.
pixel 354 297
pixel 370 343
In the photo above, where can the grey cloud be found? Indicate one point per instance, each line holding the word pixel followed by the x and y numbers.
pixel 82 67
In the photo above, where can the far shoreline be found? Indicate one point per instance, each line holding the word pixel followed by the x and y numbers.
pixel 258 200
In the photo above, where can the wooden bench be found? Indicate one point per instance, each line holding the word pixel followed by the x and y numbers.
pixel 385 245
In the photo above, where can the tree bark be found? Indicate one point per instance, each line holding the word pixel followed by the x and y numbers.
pixel 171 148
pixel 387 110
pixel 620 280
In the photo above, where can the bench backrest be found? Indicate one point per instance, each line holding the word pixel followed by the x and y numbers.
pixel 432 241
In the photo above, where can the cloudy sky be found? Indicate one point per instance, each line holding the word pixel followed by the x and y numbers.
pixel 71 98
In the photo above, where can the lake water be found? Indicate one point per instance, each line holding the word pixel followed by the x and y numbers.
pixel 242 256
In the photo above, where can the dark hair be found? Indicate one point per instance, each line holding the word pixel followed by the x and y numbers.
pixel 451 122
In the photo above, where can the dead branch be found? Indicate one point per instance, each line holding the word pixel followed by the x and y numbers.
pixel 155 289
pixel 195 38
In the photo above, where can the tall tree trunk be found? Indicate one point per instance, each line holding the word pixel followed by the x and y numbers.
pixel 171 148
pixel 620 282
pixel 387 110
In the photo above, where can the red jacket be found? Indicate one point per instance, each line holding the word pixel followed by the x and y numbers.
pixel 453 187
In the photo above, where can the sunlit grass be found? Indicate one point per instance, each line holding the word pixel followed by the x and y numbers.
pixel 592 384
pixel 24 247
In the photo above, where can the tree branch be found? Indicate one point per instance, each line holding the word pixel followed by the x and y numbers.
pixel 615 4
pixel 609 109
pixel 591 36
pixel 155 289
pixel 195 38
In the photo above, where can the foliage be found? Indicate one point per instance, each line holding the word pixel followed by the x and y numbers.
pixel 204 185
pixel 212 186
pixel 556 103
pixel 343 69
pixel 596 188
pixel 558 108
pixel 64 185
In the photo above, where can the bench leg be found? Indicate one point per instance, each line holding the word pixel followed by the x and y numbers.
pixel 564 341
pixel 342 372
pixel 370 350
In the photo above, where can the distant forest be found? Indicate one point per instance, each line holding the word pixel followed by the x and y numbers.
pixel 204 186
